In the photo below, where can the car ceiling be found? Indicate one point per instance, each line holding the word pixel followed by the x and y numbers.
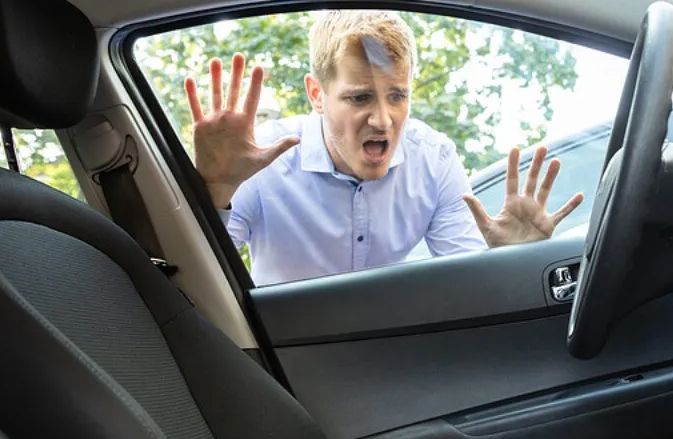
pixel 614 18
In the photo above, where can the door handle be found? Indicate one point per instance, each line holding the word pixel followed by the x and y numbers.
pixel 563 285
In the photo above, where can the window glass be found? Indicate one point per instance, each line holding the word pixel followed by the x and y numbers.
pixel 486 87
pixel 41 157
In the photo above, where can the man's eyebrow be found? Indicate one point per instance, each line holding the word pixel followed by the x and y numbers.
pixel 404 90
pixel 358 89
pixel 367 89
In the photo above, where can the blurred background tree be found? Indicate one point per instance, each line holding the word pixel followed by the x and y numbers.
pixel 40 156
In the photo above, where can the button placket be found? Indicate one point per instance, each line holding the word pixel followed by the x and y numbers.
pixel 360 225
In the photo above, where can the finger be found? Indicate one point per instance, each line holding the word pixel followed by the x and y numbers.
pixel 234 89
pixel 548 181
pixel 567 208
pixel 534 171
pixel 215 85
pixel 254 91
pixel 193 100
pixel 513 172
pixel 272 152
pixel 478 212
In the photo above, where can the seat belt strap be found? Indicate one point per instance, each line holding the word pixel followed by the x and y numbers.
pixel 128 210
pixel 10 151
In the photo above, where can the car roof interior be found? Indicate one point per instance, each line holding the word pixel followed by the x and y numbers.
pixel 599 16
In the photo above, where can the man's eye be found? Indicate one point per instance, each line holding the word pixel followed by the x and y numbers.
pixel 398 97
pixel 359 99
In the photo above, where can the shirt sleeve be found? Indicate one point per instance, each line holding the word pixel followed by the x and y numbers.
pixel 245 205
pixel 240 219
pixel 452 228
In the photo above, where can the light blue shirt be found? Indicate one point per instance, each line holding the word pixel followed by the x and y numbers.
pixel 304 219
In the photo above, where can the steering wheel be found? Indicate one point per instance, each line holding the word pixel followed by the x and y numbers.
pixel 627 190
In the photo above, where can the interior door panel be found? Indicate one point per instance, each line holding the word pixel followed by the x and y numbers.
pixel 473 289
pixel 449 339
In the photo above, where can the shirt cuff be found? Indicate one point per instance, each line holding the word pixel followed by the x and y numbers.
pixel 225 214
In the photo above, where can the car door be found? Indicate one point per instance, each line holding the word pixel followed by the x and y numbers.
pixel 453 346
pixel 463 339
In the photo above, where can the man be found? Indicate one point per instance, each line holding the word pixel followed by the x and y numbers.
pixel 365 183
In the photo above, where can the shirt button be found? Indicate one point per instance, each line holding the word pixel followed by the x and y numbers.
pixel 360 189
pixel 360 238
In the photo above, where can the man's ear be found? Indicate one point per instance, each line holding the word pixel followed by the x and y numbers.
pixel 314 92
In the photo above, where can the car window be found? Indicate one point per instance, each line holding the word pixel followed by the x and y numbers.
pixel 486 88
pixel 41 157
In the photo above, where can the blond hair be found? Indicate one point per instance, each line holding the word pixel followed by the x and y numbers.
pixel 382 36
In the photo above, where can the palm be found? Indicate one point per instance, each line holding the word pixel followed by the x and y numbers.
pixel 224 140
pixel 524 217
pixel 521 219
pixel 235 162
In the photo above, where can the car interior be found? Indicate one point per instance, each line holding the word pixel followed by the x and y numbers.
pixel 132 316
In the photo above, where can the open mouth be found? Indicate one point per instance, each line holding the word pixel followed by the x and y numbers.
pixel 375 150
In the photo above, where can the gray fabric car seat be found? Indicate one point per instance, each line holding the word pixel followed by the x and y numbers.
pixel 95 342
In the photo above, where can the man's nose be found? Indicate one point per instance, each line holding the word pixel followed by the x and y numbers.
pixel 380 118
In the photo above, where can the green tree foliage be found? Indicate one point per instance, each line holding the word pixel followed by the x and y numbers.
pixel 450 99
pixel 41 157
pixel 277 42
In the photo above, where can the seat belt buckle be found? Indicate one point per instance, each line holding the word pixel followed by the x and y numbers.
pixel 165 267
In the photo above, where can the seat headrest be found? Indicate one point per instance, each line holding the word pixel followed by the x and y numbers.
pixel 48 63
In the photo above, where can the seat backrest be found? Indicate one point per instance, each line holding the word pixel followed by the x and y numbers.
pixel 96 341
pixel 64 265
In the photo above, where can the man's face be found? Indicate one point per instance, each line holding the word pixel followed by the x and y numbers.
pixel 364 109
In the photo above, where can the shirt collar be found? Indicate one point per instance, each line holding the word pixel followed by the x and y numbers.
pixel 314 155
